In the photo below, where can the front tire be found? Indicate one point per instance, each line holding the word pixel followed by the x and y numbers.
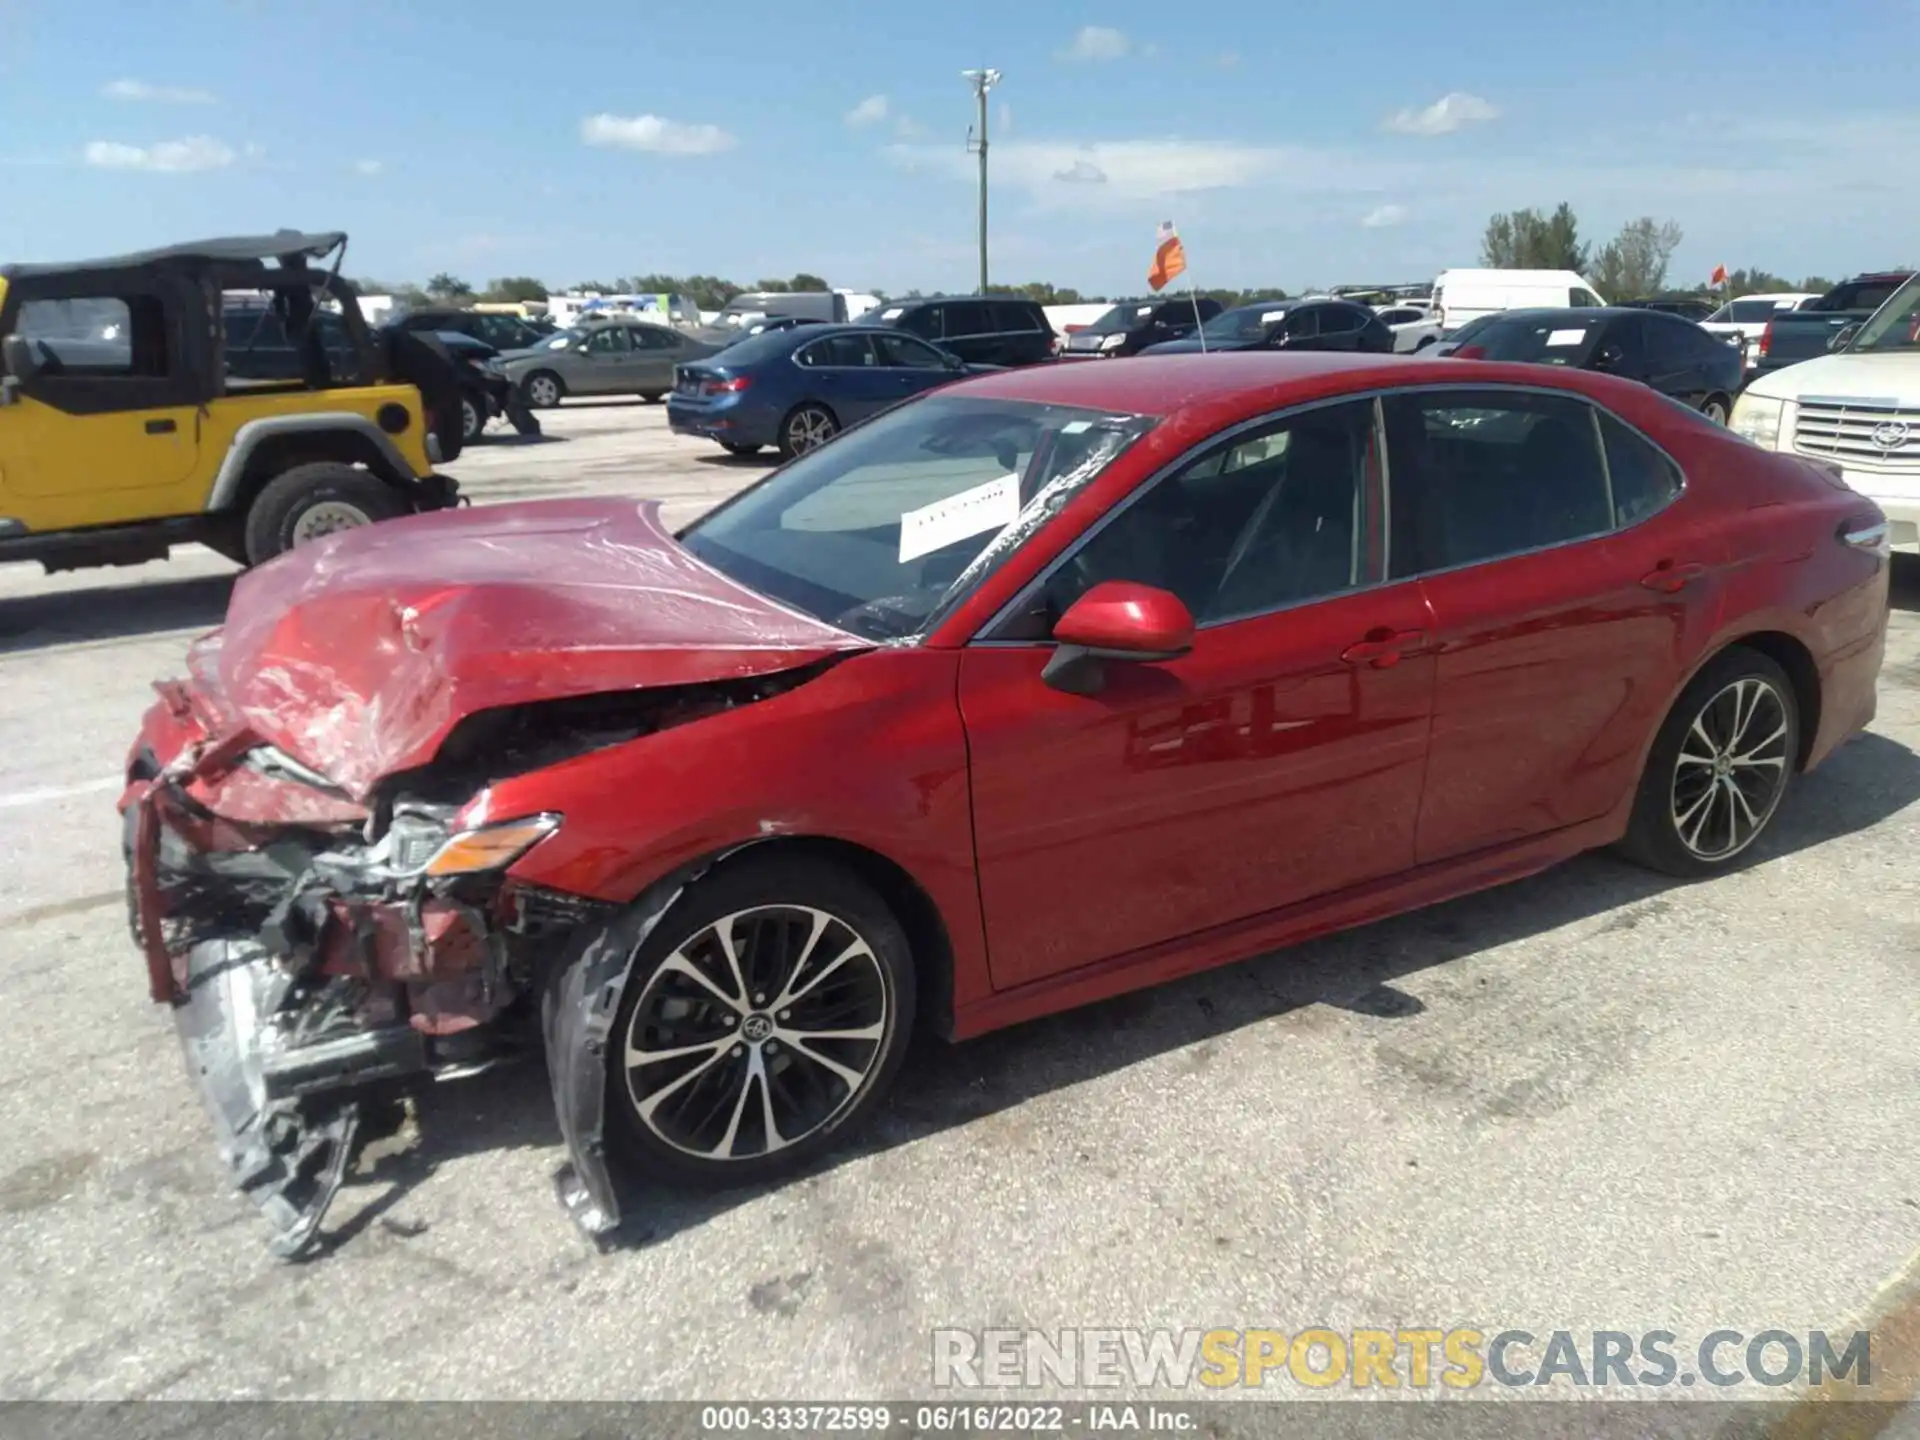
pixel 807 427
pixel 743 451
pixel 1716 408
pixel 543 390
pixel 311 501
pixel 1718 769
pixel 653 397
pixel 763 1022
pixel 473 419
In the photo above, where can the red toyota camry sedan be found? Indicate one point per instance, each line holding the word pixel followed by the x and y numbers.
pixel 1046 686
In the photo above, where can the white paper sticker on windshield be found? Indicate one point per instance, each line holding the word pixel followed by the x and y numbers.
pixel 991 506
pixel 893 312
pixel 1076 427
pixel 1566 337
pixel 1273 317
pixel 1144 310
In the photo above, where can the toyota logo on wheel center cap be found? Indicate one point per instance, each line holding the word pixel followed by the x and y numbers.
pixel 757 1028
pixel 1890 436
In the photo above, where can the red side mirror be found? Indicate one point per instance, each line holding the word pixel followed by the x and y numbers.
pixel 1116 620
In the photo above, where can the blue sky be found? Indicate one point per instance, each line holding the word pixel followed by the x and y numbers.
pixel 1292 144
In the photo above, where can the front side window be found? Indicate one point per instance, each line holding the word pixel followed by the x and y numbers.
pixel 1273 518
pixel 968 317
pixel 1341 320
pixel 1482 474
pixel 901 516
pixel 926 322
pixel 97 336
pixel 1303 324
pixel 607 340
pixel 1244 325
pixel 908 353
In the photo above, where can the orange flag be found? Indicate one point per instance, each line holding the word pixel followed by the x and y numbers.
pixel 1719 275
pixel 1169 257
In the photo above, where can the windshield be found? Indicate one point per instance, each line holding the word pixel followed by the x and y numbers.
pixel 877 530
pixel 1120 319
pixel 1895 325
pixel 1249 322
pixel 1553 339
pixel 1748 312
pixel 559 339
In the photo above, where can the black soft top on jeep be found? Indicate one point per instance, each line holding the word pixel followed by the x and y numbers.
pixel 238 250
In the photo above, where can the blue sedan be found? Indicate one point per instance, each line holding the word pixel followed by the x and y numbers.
pixel 798 388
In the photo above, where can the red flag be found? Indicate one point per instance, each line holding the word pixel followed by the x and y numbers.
pixel 1169 257
pixel 1719 275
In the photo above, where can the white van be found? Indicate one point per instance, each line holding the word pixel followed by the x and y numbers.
pixel 1463 295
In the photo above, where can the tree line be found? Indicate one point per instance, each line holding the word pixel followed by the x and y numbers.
pixel 1632 265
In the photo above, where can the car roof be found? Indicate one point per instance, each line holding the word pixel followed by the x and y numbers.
pixel 1225 388
pixel 233 249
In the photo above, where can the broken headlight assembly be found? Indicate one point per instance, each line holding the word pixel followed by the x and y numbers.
pixel 487 848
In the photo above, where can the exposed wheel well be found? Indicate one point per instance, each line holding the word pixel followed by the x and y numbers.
pixel 278 454
pixel 918 915
pixel 1794 658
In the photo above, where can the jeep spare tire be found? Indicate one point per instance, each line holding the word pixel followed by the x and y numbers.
pixel 312 501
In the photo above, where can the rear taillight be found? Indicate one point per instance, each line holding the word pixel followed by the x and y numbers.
pixel 1766 340
pixel 1869 535
pixel 725 387
pixel 1471 352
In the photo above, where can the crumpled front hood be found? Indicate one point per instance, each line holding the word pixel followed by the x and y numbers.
pixel 359 653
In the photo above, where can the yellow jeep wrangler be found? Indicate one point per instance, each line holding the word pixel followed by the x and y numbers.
pixel 199 393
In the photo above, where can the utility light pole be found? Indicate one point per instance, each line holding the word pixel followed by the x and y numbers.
pixel 982 81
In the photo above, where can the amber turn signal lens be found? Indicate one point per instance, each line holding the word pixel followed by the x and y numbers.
pixel 492 847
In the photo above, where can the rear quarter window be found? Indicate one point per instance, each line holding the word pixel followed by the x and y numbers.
pixel 1643 479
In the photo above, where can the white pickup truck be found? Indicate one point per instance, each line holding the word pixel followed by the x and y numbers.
pixel 1857 407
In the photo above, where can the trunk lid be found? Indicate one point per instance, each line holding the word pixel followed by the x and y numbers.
pixel 358 654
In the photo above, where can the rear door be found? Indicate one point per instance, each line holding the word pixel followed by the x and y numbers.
pixel 656 351
pixel 1301 330
pixel 1340 327
pixel 844 373
pixel 1554 658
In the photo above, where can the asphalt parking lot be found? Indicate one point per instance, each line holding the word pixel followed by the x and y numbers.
pixel 1591 1100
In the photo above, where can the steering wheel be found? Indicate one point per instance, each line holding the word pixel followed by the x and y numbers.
pixel 890 615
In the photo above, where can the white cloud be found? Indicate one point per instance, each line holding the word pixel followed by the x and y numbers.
pixel 369 167
pixel 1097 42
pixel 1006 118
pixel 1082 172
pixel 654 134
pixel 870 111
pixel 907 128
pixel 195 153
pixel 140 90
pixel 1450 112
pixel 1382 216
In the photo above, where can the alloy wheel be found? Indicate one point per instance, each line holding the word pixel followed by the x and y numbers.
pixel 809 429
pixel 326 518
pixel 1715 411
pixel 1731 769
pixel 756 1032
pixel 471 421
pixel 543 392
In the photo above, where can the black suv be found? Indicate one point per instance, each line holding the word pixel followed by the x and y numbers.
pixel 1132 325
pixel 502 332
pixel 990 330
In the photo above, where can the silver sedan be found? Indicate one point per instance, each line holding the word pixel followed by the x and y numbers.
pixel 601 357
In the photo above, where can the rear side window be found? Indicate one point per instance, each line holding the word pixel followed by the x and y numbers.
pixel 1011 316
pixel 968 317
pixel 1644 480
pixel 925 321
pixel 1582 298
pixel 1482 474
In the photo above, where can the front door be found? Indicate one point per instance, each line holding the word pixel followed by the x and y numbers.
pixel 1553 659
pixel 107 425
pixel 604 365
pixel 1279 760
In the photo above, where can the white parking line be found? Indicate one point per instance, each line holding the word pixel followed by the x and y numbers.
pixel 20 799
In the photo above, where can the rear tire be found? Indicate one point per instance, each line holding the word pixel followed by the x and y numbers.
pixel 310 501
pixel 701 1115
pixel 1716 408
pixel 807 427
pixel 653 397
pixel 473 419
pixel 1719 768
pixel 543 390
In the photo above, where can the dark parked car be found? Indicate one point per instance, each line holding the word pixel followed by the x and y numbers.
pixel 1687 307
pixel 1132 325
pixel 750 328
pixel 503 332
pixel 1288 325
pixel 798 387
pixel 1002 330
pixel 486 394
pixel 1060 683
pixel 1674 356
